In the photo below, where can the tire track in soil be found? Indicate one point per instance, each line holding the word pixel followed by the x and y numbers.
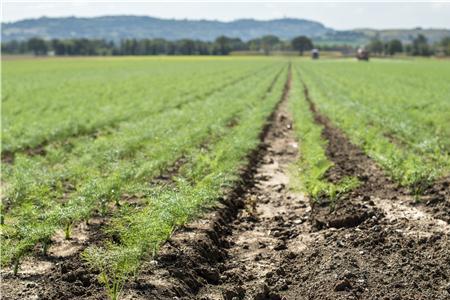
pixel 377 245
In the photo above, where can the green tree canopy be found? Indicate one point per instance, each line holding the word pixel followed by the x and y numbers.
pixel 394 46
pixel 301 44
pixel 420 46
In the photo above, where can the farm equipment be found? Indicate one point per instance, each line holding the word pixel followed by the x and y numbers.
pixel 315 54
pixel 362 54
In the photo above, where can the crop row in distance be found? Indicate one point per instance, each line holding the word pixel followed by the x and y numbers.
pixel 47 101
pixel 71 163
pixel 313 163
pixel 396 111
pixel 99 172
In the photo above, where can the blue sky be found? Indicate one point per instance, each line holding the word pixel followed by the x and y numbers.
pixel 337 15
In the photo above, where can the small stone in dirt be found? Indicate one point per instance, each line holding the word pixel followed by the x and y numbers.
pixel 261 292
pixel 276 233
pixel 282 285
pixel 153 263
pixel 258 257
pixel 279 187
pixel 281 245
pixel 343 285
pixel 281 271
pixel 237 293
pixel 278 218
pixel 298 221
pixel 291 255
pixel 210 274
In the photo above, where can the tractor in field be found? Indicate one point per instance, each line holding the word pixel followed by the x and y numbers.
pixel 362 54
pixel 315 53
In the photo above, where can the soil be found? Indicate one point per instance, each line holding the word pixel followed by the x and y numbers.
pixel 265 240
pixel 60 274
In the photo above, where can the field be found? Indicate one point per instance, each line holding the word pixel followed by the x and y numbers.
pixel 225 178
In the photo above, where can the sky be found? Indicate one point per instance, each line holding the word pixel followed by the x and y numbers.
pixel 337 15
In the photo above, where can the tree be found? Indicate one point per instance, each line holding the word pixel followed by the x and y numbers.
pixel 445 43
pixel 59 47
pixel 376 46
pixel 38 46
pixel 268 43
pixel 301 44
pixel 186 47
pixel 222 45
pixel 420 46
pixel 394 46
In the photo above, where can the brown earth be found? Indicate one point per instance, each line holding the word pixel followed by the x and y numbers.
pixel 59 275
pixel 267 241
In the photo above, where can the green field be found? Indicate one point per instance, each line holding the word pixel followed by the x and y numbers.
pixel 146 144
pixel 396 111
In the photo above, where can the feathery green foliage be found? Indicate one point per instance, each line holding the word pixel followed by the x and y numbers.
pixel 313 162
pixel 396 111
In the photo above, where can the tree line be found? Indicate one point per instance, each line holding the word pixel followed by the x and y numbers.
pixel 418 47
pixel 221 46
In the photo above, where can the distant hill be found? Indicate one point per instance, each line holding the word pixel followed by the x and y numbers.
pixel 120 27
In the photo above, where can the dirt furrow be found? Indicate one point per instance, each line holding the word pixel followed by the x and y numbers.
pixel 377 244
pixel 271 228
pixel 236 251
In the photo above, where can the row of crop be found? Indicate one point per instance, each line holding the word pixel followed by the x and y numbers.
pixel 139 232
pixel 100 172
pixel 55 175
pixel 313 163
pixel 341 103
pixel 412 105
pixel 62 99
